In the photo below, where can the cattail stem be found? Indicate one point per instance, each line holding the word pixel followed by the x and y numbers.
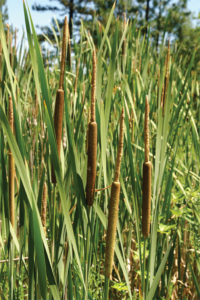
pixel 11 168
pixel 93 118
pixel 44 207
pixel 113 206
pixel 92 142
pixel 120 148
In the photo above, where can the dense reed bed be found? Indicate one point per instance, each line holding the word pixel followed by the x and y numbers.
pixel 52 243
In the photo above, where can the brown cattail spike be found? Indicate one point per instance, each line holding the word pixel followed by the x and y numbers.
pixel 111 230
pixel 44 207
pixel 11 168
pixel 58 117
pixel 91 167
pixel 58 120
pixel 146 130
pixel 93 119
pixel 120 148
pixel 92 142
pixel 146 203
pixel 114 205
pixel 63 55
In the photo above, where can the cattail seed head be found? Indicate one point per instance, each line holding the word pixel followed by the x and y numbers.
pixel 58 120
pixel 91 166
pixel 114 205
pixel 146 203
pixel 63 54
pixel 92 142
pixel 58 117
pixel 112 225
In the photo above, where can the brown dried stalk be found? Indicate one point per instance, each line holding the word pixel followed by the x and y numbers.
pixel 11 167
pixel 114 206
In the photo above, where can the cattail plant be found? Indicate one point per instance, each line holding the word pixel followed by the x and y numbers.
pixel 11 167
pixel 59 106
pixel 92 142
pixel 146 203
pixel 44 207
pixel 113 209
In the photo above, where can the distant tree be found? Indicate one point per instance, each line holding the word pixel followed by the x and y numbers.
pixel 162 16
pixel 3 10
